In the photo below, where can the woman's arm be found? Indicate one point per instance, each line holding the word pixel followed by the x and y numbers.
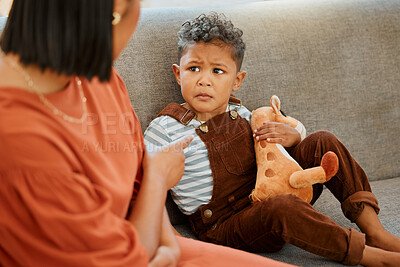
pixel 168 253
pixel 168 236
pixel 162 170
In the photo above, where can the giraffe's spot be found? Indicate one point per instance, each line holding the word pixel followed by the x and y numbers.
pixel 263 143
pixel 271 156
pixel 269 173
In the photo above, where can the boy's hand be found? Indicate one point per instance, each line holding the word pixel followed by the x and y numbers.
pixel 169 162
pixel 276 132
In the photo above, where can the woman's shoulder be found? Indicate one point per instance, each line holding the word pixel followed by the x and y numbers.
pixel 117 82
pixel 19 110
pixel 115 86
pixel 21 148
pixel 29 136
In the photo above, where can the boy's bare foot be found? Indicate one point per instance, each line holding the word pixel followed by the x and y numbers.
pixel 377 257
pixel 384 240
pixel 376 235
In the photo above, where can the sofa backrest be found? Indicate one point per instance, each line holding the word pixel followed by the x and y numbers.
pixel 334 64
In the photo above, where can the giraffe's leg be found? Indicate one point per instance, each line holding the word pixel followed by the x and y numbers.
pixel 321 174
pixel 330 164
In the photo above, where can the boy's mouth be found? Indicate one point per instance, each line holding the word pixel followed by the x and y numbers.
pixel 203 97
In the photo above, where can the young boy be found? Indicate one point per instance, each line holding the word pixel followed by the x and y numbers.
pixel 220 168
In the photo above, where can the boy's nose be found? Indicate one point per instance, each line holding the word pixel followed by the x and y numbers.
pixel 204 82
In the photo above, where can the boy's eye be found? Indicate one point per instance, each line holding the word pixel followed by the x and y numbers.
pixel 218 71
pixel 194 69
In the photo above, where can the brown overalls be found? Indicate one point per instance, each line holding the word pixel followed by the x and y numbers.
pixel 231 219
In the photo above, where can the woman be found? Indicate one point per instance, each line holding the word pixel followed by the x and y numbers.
pixel 72 155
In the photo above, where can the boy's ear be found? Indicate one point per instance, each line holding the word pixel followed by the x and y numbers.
pixel 177 73
pixel 239 80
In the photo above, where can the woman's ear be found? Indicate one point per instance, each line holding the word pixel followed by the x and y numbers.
pixel 239 80
pixel 120 7
pixel 177 73
pixel 124 22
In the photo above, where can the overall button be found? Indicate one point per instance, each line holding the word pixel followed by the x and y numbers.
pixel 233 114
pixel 213 227
pixel 203 128
pixel 208 213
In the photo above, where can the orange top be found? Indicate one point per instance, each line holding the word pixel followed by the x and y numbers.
pixel 65 187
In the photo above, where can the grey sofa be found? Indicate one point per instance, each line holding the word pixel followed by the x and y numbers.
pixel 334 64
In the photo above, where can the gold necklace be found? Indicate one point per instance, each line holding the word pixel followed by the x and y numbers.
pixel 43 99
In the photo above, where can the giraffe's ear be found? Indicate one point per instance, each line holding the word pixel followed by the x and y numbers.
pixel 275 104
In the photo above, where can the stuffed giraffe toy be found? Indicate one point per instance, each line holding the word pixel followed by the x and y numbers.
pixel 277 172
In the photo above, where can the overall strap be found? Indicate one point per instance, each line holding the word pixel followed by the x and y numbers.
pixel 184 115
pixel 178 112
pixel 235 101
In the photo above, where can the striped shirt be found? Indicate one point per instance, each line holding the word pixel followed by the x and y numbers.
pixel 195 187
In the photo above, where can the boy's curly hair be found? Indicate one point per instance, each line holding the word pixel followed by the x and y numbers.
pixel 209 28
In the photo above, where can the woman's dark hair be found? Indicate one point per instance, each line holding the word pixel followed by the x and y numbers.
pixel 210 28
pixel 72 37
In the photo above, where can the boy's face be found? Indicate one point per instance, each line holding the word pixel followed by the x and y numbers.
pixel 207 75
